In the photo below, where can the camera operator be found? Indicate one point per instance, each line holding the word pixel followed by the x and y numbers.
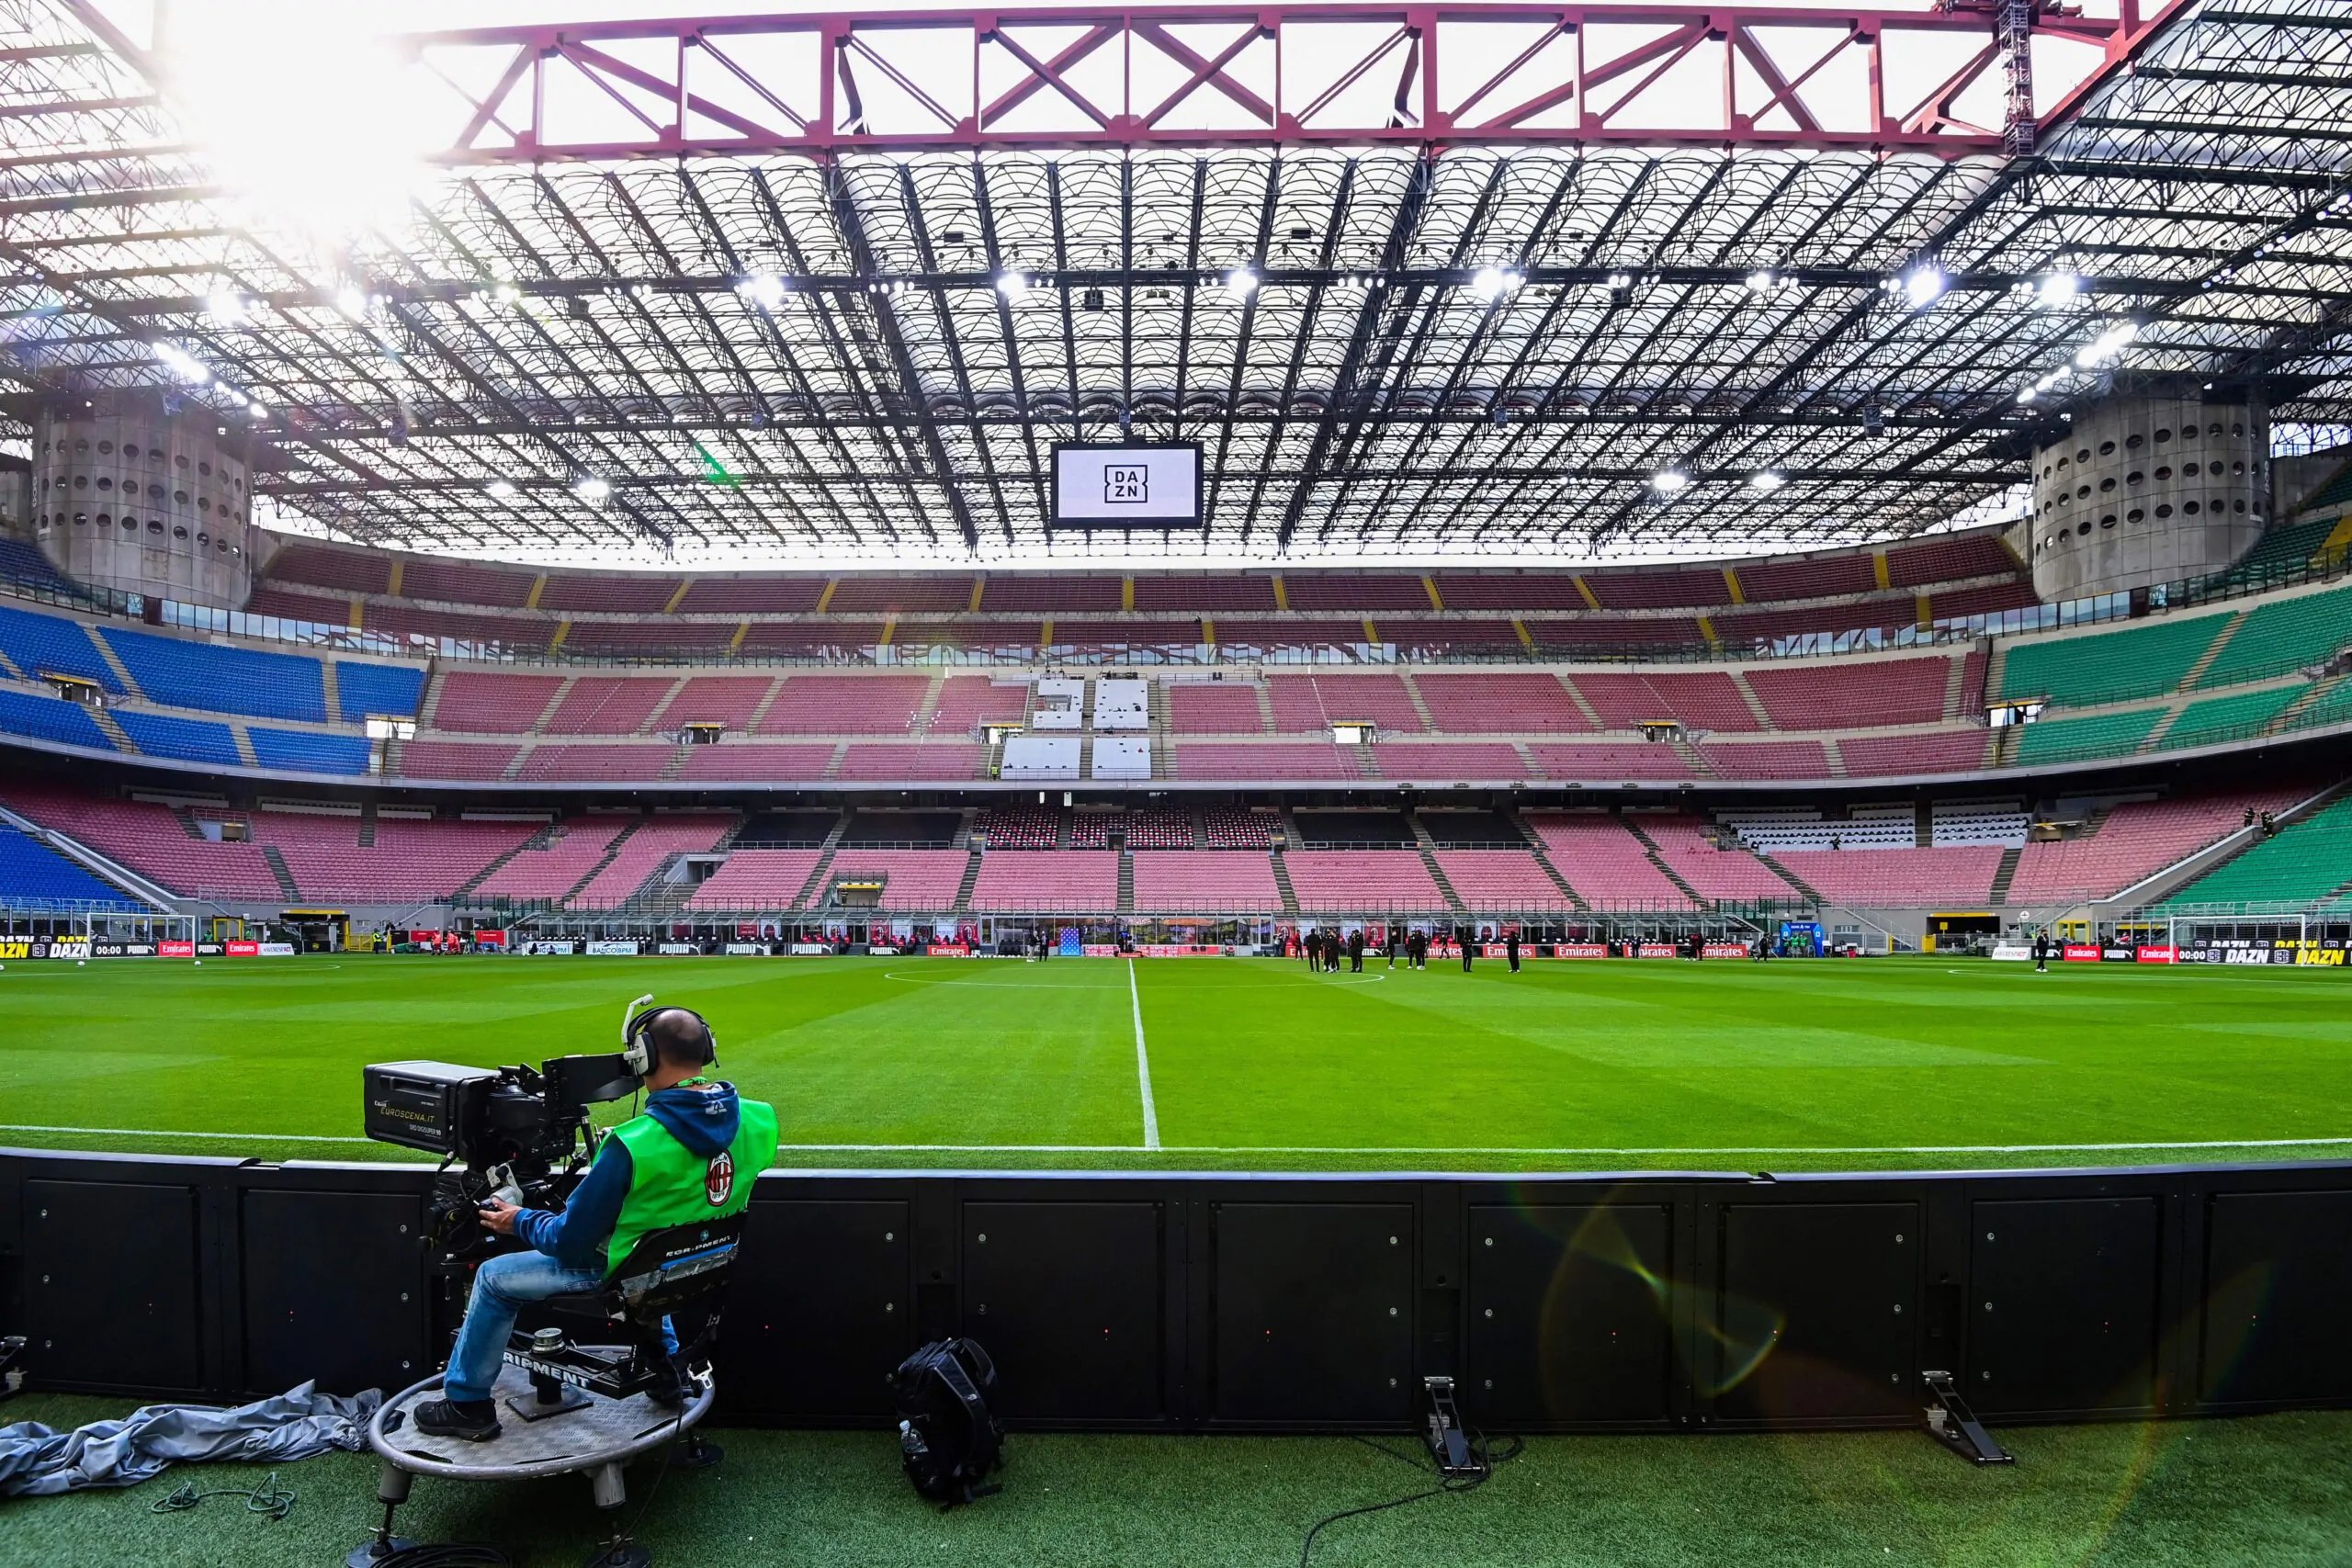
pixel 693 1154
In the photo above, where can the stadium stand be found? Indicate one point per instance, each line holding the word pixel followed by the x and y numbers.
pixel 1954 822
pixel 52 645
pixel 1340 880
pixel 1227 827
pixel 308 751
pixel 463 760
pixel 2131 841
pixel 2087 669
pixel 1023 827
pixel 846 704
pixel 1713 868
pixel 938 762
pixel 1864 694
pixel 2308 862
pixel 729 701
pixel 1707 700
pixel 51 718
pixel 1604 862
pixel 188 739
pixel 32 872
pixel 556 861
pixel 1499 705
pixel 489 703
pixel 1215 708
pixel 756 764
pixel 1035 879
pixel 608 705
pixel 408 860
pixel 618 763
pixel 2100 735
pixel 1498 877
pixel 1194 760
pixel 22 562
pixel 153 841
pixel 1889 756
pixel 911 879
pixel 1608 761
pixel 1767 758
pixel 1304 704
pixel 756 880
pixel 2281 635
pixel 969 701
pixel 1203 883
pixel 365 690
pixel 644 853
pixel 1424 763
pixel 2229 719
pixel 217 678
pixel 1904 879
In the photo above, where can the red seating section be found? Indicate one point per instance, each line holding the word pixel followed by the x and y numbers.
pixel 608 705
pixel 916 879
pixel 730 700
pixel 756 764
pixel 1939 751
pixel 1499 705
pixel 1227 827
pixel 1732 872
pixel 1767 758
pixel 1853 695
pixel 1176 882
pixel 846 704
pixel 454 759
pixel 1607 865
pixel 1493 879
pixel 2136 841
pixel 1445 764
pixel 409 860
pixel 643 852
pixel 1067 880
pixel 756 879
pixel 1961 877
pixel 1604 763
pixel 1703 700
pixel 574 849
pixel 940 761
pixel 483 702
pixel 966 701
pixel 1304 704
pixel 576 763
pixel 1215 708
pixel 1362 880
pixel 1199 760
pixel 153 842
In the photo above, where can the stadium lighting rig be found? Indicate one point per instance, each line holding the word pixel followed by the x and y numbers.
pixel 1242 282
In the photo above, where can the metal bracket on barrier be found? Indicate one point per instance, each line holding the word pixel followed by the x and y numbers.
pixel 1952 1423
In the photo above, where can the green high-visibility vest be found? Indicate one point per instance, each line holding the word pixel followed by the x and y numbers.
pixel 671 1185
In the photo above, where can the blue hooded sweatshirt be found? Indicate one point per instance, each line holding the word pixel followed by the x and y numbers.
pixel 703 1119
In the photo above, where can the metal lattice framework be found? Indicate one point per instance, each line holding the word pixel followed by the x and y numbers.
pixel 829 287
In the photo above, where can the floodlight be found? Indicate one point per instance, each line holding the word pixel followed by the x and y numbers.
pixel 1011 283
pixel 1762 281
pixel 227 307
pixel 1493 282
pixel 352 303
pixel 181 364
pixel 1665 482
pixel 2060 288
pixel 1924 285
pixel 592 489
pixel 764 290
pixel 1765 480
pixel 499 490
pixel 1242 282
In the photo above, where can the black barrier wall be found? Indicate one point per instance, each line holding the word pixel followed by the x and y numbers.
pixel 1204 1303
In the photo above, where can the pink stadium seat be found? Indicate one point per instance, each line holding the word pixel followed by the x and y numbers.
pixel 1703 700
pixel 1955 878
pixel 1215 708
pixel 329 566
pixel 1024 828
pixel 487 702
pixel 936 594
pixel 1051 592
pixel 589 762
pixel 610 592
pixel 1176 882
pixel 410 859
pixel 1854 694
pixel 1509 591
pixel 1820 577
pixel 1767 758
pixel 1233 828
pixel 751 596
pixel 1349 591
pixel 1986 598
pixel 1731 873
pixel 1500 879
pixel 1197 759
pixel 1606 763
pixel 757 764
pixel 2136 841
pixel 1205 594
pixel 1069 880
pixel 1658 587
pixel 760 880
pixel 1606 865
pixel 939 761
pixel 299 606
pixel 1950 557
pixel 1499 705
pixel 1364 880
pixel 608 705
pixel 730 700
pixel 153 842
pixel 1438 764
pixel 661 635
pixel 914 879
pixel 644 853
pixel 463 582
pixel 1304 703
pixel 967 701
pixel 454 759
pixel 1616 632
pixel 574 847
pixel 1932 752
pixel 531 631
pixel 846 704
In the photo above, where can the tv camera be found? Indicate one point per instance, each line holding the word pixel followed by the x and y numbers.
pixel 513 1132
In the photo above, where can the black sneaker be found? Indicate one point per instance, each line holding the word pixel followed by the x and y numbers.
pixel 474 1420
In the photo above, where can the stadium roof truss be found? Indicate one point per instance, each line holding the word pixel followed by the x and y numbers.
pixel 1422 280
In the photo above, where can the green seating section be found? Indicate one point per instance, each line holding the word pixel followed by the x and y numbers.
pixel 2335 492
pixel 2283 551
pixel 2103 735
pixel 2332 706
pixel 2110 667
pixel 2302 865
pixel 2217 719
pixel 2283 635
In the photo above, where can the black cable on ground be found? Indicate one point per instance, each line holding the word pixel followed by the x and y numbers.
pixel 268 1498
pixel 1487 1464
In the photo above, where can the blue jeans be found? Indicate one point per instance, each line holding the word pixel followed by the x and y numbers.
pixel 501 1287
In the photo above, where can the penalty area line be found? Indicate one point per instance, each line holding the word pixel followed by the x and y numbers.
pixel 1143 1064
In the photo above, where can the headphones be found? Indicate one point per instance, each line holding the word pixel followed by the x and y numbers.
pixel 638 1051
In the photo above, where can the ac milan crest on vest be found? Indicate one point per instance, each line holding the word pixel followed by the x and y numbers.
pixel 719 1178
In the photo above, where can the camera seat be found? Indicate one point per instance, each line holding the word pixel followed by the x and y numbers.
pixel 679 1272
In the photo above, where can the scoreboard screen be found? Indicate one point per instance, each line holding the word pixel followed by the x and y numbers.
pixel 1126 486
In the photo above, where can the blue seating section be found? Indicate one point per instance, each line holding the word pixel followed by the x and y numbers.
pixel 51 718
pixel 222 679
pixel 24 563
pixel 32 872
pixel 303 751
pixel 40 644
pixel 389 690
pixel 192 740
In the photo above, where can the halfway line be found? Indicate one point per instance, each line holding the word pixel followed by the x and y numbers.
pixel 1143 1064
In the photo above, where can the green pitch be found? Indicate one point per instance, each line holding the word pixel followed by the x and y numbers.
pixel 1250 1064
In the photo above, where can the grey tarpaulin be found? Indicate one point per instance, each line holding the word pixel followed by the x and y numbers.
pixel 297 1423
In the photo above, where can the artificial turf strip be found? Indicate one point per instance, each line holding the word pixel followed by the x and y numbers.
pixel 1256 1064
pixel 2266 1492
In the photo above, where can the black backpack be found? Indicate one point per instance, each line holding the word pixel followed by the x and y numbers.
pixel 949 1440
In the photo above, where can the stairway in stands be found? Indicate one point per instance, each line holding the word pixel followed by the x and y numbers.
pixel 611 851
pixel 971 876
pixel 1427 848
pixel 2009 869
pixel 1282 880
pixel 537 841
pixel 278 869
pixel 1126 882
pixel 1649 848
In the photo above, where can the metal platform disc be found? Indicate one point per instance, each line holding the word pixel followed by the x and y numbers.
pixel 605 1431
